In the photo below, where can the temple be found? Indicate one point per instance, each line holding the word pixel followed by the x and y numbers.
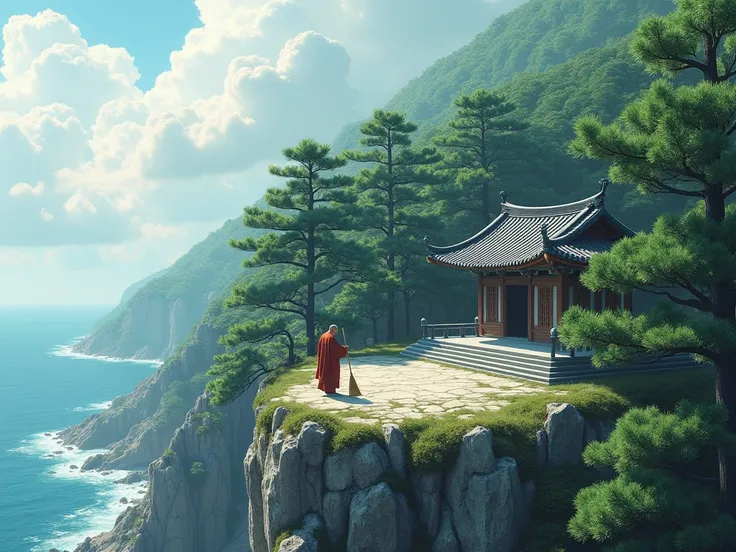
pixel 529 260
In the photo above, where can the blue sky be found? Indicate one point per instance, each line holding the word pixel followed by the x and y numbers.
pixel 149 29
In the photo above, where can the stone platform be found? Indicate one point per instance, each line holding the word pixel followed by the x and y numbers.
pixel 396 388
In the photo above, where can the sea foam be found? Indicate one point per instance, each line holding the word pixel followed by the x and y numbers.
pixel 89 521
pixel 67 351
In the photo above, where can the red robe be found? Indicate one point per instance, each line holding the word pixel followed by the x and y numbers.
pixel 329 353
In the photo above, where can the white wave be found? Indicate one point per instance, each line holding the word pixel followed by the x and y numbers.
pixel 93 407
pixel 67 351
pixel 99 517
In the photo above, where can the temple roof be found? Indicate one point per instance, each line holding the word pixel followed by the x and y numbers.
pixel 521 236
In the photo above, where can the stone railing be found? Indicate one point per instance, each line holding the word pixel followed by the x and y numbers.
pixel 430 331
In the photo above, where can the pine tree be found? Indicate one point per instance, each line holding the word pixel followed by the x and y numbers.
pixel 391 190
pixel 657 501
pixel 304 237
pixel 478 139
pixel 675 140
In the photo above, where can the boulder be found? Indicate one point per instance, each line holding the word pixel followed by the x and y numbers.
pixel 369 463
pixel 303 540
pixel 484 496
pixel 253 482
pixel 336 513
pixel 293 480
pixel 428 493
pixel 93 462
pixel 542 447
pixel 564 426
pixel 446 540
pixel 396 447
pixel 339 470
pixel 379 521
pixel 278 418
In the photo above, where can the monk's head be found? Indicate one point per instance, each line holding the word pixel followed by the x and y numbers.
pixel 333 329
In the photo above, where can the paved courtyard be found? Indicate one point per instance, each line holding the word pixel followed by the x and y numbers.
pixel 396 388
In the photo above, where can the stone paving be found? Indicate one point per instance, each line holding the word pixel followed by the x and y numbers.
pixel 395 388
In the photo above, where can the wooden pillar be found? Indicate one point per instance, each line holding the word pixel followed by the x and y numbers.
pixel 503 299
pixel 530 309
pixel 561 282
pixel 480 303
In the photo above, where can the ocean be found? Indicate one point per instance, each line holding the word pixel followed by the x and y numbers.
pixel 45 388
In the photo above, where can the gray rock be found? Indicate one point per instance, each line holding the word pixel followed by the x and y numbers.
pixel 542 447
pixel 484 496
pixel 339 470
pixel 369 463
pixel 253 484
pixel 293 480
pixel 133 477
pixel 396 447
pixel 528 490
pixel 375 519
pixel 93 462
pixel 603 429
pixel 336 512
pixel 312 443
pixel 428 494
pixel 589 434
pixel 303 540
pixel 564 426
pixel 278 418
pixel 446 540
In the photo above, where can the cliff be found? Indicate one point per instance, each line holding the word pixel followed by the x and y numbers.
pixel 369 499
pixel 156 315
pixel 137 427
pixel 197 499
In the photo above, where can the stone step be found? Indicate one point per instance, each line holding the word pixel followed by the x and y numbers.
pixel 518 355
pixel 530 367
pixel 484 355
pixel 541 375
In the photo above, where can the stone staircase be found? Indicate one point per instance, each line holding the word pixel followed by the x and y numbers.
pixel 521 363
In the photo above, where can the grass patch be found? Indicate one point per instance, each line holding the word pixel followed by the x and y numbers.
pixel 282 537
pixel 342 434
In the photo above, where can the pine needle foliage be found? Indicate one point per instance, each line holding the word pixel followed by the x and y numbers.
pixel 655 503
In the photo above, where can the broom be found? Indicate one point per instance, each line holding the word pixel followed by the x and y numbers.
pixel 353 389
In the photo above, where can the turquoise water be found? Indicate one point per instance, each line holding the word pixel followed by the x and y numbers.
pixel 43 388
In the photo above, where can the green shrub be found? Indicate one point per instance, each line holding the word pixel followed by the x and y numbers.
pixel 197 470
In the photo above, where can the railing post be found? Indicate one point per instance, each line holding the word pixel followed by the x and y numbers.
pixel 423 323
pixel 553 339
pixel 477 327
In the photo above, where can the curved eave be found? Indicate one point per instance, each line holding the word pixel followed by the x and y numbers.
pixel 471 240
pixel 546 259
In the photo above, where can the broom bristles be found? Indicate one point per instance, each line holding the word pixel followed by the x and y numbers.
pixel 353 389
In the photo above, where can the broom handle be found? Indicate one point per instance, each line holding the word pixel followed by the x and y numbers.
pixel 348 352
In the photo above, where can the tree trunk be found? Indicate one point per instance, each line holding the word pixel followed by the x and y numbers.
pixel 726 396
pixel 722 298
pixel 391 257
pixel 486 204
pixel 374 325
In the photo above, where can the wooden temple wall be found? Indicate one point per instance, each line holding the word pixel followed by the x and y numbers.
pixel 549 296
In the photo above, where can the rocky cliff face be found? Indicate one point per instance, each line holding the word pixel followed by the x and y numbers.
pixel 366 500
pixel 137 428
pixel 197 499
pixel 151 326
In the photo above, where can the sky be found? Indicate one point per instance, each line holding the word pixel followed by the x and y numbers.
pixel 130 130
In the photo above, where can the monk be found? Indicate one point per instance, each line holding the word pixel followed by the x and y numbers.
pixel 329 353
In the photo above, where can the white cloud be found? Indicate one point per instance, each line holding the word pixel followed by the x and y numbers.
pixel 21 188
pixel 113 165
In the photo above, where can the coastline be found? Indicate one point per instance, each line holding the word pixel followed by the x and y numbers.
pixel 64 462
pixel 109 495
